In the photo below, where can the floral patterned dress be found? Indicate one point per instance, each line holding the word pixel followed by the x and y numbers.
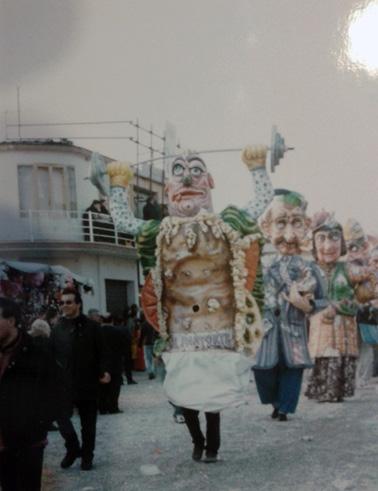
pixel 334 344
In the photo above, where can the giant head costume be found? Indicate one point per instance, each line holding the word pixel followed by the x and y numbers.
pixel 358 254
pixel 285 223
pixel 201 269
pixel 189 187
pixel 356 242
pixel 328 239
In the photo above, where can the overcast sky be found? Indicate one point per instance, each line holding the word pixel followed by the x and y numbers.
pixel 221 71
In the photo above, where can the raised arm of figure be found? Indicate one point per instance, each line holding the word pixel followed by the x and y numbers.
pixel 254 158
pixel 120 175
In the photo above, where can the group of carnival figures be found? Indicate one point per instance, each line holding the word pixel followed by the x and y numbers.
pixel 216 310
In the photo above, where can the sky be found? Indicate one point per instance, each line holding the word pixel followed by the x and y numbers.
pixel 221 72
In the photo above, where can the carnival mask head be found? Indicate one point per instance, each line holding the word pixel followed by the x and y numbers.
pixel 285 222
pixel 355 241
pixel 189 187
pixel 373 260
pixel 327 238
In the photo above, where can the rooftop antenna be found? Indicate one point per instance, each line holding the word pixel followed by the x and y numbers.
pixel 6 124
pixel 18 113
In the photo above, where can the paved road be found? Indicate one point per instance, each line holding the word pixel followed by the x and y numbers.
pixel 324 447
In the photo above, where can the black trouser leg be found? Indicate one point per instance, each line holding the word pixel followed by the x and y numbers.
pixel 88 417
pixel 67 430
pixel 193 424
pixel 104 397
pixel 128 364
pixel 212 432
pixel 21 469
pixel 114 391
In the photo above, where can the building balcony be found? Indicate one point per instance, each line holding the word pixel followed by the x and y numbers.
pixel 64 230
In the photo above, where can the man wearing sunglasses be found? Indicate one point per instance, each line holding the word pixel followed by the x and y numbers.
pixel 80 351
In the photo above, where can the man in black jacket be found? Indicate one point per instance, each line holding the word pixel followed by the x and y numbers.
pixel 79 350
pixel 28 402
pixel 114 337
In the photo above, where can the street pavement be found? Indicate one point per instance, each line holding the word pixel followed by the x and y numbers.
pixel 323 447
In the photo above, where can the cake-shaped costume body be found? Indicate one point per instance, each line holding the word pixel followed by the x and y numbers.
pixel 201 269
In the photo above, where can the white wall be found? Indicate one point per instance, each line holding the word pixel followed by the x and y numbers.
pixel 99 269
pixel 12 227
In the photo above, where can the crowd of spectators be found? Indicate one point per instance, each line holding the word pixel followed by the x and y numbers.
pixel 64 360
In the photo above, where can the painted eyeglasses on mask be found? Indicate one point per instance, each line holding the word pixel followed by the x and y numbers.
pixel 296 222
pixel 334 236
pixel 196 167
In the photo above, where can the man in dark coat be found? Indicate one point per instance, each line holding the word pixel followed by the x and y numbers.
pixel 114 337
pixel 28 402
pixel 79 349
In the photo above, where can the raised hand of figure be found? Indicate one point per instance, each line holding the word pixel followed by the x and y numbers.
pixel 120 173
pixel 254 156
pixel 105 379
pixel 299 301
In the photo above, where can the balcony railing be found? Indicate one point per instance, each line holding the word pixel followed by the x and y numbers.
pixel 64 226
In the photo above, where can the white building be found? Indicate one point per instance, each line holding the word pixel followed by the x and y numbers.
pixel 44 192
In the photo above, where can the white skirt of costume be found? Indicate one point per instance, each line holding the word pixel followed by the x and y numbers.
pixel 207 381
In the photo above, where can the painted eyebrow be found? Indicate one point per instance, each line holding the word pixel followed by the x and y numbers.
pixel 297 217
pixel 197 159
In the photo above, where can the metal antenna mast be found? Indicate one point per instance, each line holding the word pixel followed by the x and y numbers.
pixel 18 113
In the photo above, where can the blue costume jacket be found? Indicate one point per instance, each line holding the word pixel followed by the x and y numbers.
pixel 285 337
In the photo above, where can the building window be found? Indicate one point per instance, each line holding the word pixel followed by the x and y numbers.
pixel 47 187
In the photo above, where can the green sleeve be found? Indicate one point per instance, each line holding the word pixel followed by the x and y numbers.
pixel 240 221
pixel 146 244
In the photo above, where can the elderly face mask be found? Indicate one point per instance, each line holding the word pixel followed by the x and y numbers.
pixel 288 228
pixel 328 245
pixel 189 188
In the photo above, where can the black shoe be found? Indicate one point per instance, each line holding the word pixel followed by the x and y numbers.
pixel 116 411
pixel 69 458
pixel 103 411
pixel 282 417
pixel 197 452
pixel 131 382
pixel 86 464
pixel 274 414
pixel 211 457
pixel 151 376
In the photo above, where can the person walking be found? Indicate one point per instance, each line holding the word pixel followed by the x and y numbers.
pixel 147 339
pixel 116 342
pixel 192 297
pixel 28 401
pixel 121 326
pixel 291 288
pixel 81 352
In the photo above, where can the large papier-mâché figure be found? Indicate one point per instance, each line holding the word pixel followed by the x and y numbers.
pixel 291 293
pixel 358 255
pixel 202 268
pixel 333 341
